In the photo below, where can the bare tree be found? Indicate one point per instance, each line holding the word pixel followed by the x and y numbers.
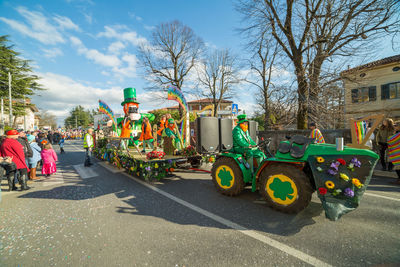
pixel 171 54
pixel 218 74
pixel 262 64
pixel 312 31
pixel 47 119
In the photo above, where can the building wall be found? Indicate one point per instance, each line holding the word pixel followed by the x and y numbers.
pixel 373 77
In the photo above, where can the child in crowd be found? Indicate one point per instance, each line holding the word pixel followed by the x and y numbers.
pixel 61 144
pixel 33 161
pixel 49 158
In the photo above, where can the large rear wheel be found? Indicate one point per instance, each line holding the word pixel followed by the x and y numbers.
pixel 227 176
pixel 285 188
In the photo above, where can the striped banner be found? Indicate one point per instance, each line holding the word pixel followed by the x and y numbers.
pixel 394 149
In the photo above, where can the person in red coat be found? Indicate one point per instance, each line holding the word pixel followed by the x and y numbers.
pixel 13 149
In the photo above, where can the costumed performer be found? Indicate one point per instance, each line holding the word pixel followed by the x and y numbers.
pixel 172 132
pixel 316 133
pixel 160 129
pixel 146 136
pixel 243 144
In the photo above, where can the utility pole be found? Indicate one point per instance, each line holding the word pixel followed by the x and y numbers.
pixel 9 97
pixel 24 114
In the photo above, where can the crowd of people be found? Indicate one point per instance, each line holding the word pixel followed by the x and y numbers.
pixel 22 153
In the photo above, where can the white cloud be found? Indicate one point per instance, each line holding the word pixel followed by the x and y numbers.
pixel 95 55
pixel 66 23
pixel 149 28
pixel 64 93
pixel 116 47
pixel 88 18
pixel 38 27
pixel 52 52
pixel 122 33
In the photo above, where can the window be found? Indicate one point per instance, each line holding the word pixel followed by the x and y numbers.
pixel 363 94
pixel 390 91
pixel 396 68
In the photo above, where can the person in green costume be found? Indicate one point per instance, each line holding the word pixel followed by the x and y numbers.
pixel 172 131
pixel 243 144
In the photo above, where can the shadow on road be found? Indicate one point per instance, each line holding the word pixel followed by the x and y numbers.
pixel 243 210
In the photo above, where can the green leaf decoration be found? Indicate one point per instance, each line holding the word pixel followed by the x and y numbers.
pixel 281 189
pixel 225 177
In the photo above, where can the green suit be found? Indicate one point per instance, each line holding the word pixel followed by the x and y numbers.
pixel 241 145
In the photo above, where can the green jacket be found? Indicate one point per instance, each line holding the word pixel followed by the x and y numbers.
pixel 177 142
pixel 383 134
pixel 242 142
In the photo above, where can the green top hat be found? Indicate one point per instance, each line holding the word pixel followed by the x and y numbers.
pixel 241 118
pixel 129 96
pixel 171 120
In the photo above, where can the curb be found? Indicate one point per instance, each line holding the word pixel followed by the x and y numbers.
pixel 386 174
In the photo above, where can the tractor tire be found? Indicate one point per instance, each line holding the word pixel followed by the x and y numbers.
pixel 227 176
pixel 285 188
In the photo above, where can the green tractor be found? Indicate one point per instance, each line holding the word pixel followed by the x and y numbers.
pixel 288 179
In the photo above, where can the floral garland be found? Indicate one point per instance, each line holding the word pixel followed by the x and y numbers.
pixel 189 151
pixel 335 172
pixel 147 170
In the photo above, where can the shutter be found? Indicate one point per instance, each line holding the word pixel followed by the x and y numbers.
pixel 372 93
pixel 354 95
pixel 384 91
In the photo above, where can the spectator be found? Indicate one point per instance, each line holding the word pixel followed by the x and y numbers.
pixel 49 158
pixel 10 147
pixel 88 145
pixel 50 137
pixel 386 130
pixel 36 157
pixel 61 144
pixel 316 133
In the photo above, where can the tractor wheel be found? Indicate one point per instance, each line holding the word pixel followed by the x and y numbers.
pixel 227 176
pixel 285 188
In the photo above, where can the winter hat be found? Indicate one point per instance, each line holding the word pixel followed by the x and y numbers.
pixel 30 138
pixel 12 132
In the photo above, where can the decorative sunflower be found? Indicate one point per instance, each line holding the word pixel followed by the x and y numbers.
pixel 356 182
pixel 329 184
pixel 320 160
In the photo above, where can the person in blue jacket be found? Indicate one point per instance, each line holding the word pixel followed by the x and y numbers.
pixel 32 162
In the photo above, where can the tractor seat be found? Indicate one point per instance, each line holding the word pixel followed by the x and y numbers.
pixel 296 151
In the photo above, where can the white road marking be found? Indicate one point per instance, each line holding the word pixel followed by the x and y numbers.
pixel 380 196
pixel 85 172
pixel 265 239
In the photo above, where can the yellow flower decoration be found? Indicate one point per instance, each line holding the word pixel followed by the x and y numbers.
pixel 344 177
pixel 329 184
pixel 156 166
pixel 131 168
pixel 320 159
pixel 356 182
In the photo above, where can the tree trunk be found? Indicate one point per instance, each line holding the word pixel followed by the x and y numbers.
pixel 302 113
pixel 266 112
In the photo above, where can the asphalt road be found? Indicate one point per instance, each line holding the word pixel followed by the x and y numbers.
pixel 100 216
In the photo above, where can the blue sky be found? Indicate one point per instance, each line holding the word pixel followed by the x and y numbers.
pixel 85 50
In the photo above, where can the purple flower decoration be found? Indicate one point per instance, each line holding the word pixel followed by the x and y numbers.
pixel 148 168
pixel 356 162
pixel 335 165
pixel 348 192
pixel 169 161
pixel 332 172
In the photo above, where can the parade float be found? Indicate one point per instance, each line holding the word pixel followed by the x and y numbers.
pixel 340 174
pixel 121 147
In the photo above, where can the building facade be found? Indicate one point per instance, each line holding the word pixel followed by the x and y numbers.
pixel 373 88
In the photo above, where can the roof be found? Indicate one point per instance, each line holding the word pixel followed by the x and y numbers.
pixel 207 100
pixel 376 63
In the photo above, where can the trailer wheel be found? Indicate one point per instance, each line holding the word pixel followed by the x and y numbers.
pixel 227 176
pixel 285 188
